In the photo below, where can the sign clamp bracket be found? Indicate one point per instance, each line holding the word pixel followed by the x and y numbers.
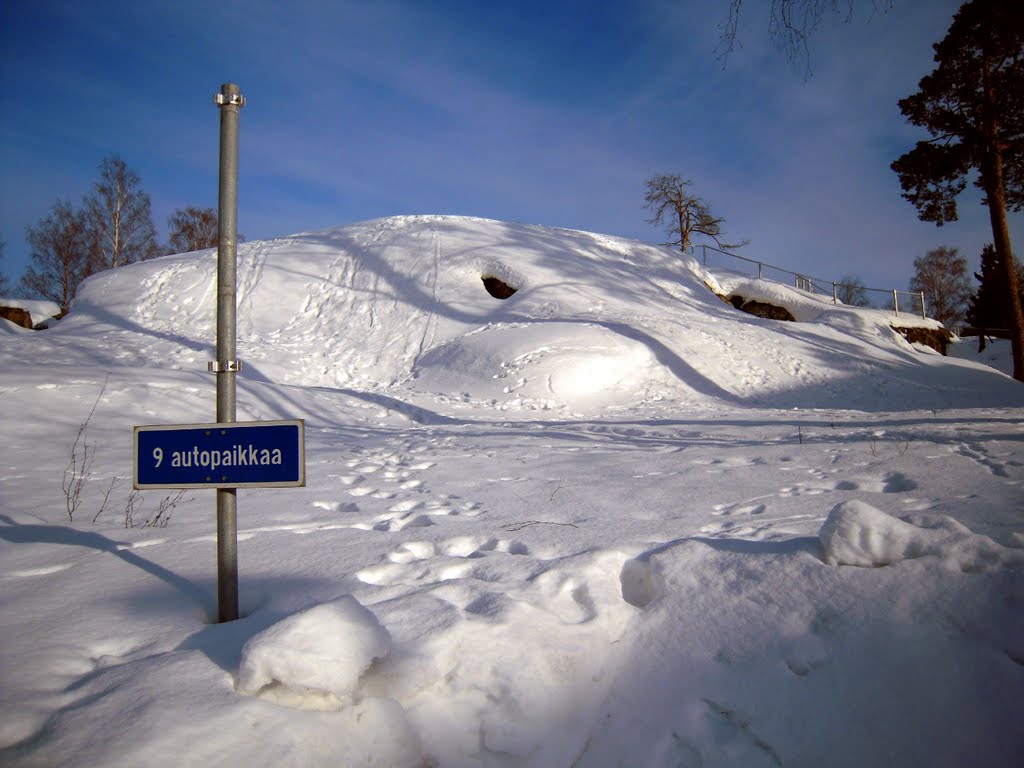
pixel 224 366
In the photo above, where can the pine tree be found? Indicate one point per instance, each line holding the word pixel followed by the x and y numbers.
pixel 972 104
pixel 987 309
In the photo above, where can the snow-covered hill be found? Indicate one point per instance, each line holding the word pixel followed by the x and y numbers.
pixel 398 305
pixel 607 521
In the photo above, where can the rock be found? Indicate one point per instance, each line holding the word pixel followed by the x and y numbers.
pixel 17 316
pixel 762 309
pixel 936 338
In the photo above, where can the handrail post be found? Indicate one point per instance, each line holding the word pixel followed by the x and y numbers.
pixel 895 302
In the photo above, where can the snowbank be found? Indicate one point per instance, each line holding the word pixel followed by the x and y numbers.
pixel 856 533
pixel 324 650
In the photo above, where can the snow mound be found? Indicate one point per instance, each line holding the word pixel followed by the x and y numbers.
pixel 324 649
pixel 598 324
pixel 856 533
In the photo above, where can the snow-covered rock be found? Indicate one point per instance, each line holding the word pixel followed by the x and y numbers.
pixel 39 310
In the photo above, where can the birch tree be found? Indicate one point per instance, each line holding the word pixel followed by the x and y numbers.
pixel 118 212
pixel 942 276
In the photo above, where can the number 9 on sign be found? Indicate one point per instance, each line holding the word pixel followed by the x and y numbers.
pixel 158 456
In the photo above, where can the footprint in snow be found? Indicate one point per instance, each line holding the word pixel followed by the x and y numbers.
pixel 891 482
pixel 336 506
pixel 417 562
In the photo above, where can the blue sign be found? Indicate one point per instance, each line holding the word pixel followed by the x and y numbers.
pixel 251 454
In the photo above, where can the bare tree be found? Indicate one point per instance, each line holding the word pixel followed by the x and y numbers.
pixel 119 215
pixel 850 290
pixel 192 229
pixel 943 277
pixel 60 255
pixel 687 215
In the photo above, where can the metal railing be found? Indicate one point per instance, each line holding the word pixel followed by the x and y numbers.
pixel 875 298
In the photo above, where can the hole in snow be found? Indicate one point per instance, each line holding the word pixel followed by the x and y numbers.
pixel 499 289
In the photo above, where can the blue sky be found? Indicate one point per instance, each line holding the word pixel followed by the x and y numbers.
pixel 550 113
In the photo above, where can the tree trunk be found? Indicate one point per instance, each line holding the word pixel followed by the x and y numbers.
pixel 992 178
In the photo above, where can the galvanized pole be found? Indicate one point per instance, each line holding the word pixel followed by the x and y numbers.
pixel 230 101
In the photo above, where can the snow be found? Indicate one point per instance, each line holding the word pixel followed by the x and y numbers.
pixel 855 533
pixel 997 353
pixel 323 649
pixel 607 521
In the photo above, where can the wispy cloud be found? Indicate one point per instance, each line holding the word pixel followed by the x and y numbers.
pixel 554 113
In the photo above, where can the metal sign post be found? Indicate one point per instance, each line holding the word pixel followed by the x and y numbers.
pixel 226 455
pixel 229 101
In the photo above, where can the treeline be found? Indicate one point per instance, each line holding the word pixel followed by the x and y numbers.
pixel 951 296
pixel 112 226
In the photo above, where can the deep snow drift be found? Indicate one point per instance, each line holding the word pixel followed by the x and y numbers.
pixel 609 520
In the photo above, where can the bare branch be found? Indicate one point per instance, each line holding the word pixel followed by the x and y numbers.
pixel 791 25
pixel 78 470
